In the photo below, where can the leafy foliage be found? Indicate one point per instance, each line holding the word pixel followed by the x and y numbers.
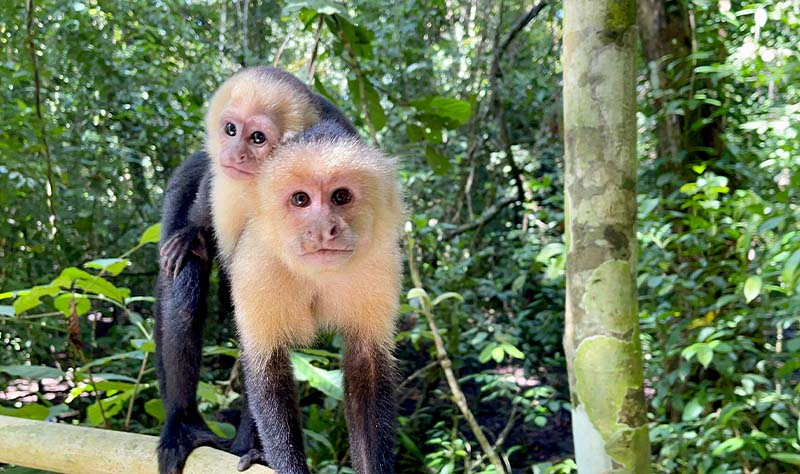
pixel 476 122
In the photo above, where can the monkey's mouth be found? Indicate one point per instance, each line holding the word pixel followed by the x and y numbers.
pixel 327 257
pixel 238 173
pixel 324 252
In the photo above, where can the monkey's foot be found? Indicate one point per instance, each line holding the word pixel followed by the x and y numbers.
pixel 254 456
pixel 177 248
pixel 178 441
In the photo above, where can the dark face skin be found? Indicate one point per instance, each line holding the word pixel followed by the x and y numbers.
pixel 246 140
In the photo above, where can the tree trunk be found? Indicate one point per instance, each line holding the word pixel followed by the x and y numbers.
pixel 601 339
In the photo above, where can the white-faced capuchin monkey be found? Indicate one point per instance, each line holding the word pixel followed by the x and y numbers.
pixel 250 115
pixel 320 251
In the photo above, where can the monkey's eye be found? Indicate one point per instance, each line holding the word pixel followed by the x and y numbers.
pixel 300 199
pixel 341 196
pixel 230 129
pixel 258 137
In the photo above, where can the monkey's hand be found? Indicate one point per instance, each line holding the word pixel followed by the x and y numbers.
pixel 178 441
pixel 254 456
pixel 175 251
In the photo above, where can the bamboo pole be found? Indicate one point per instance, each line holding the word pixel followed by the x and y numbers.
pixel 59 447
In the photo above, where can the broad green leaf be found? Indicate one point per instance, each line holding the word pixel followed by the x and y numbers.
pixel 328 382
pixel 549 251
pixel 31 411
pixel 111 406
pixel 438 162
pixel 704 355
pixel 692 410
pixel 223 430
pixel 789 273
pixel 32 372
pixel 730 445
pixel 155 408
pixel 151 235
pixel 498 354
pixel 417 293
pixel 112 266
pixel 63 302
pixel 374 107
pixel 486 353
pixel 457 110
pixel 752 287
pixel 788 458
pixel 221 350
pixel 28 299
pixel 447 296
pixel 513 351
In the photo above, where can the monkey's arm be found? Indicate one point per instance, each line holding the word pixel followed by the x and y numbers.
pixel 195 237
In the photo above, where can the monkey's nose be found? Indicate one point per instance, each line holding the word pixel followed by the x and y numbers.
pixel 333 232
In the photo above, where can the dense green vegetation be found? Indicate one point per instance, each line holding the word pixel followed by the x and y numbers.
pixel 100 99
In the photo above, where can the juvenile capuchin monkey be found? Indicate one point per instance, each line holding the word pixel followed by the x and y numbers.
pixel 320 251
pixel 249 116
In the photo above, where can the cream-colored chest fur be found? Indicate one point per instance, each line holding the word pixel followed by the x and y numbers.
pixel 277 307
pixel 231 205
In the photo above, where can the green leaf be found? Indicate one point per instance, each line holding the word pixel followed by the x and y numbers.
pixel 729 446
pixel 328 382
pixel 155 408
pixel 513 351
pixel 457 110
pixel 64 301
pixel 31 411
pixel 438 162
pixel 417 293
pixel 692 410
pixel 752 287
pixel 112 266
pixel 447 296
pixel 28 299
pixel 32 372
pixel 111 406
pixel 376 113
pixel 486 353
pixel 790 270
pixel 223 430
pixel 498 354
pixel 151 235
pixel 549 251
pixel 704 355
pixel 90 283
pixel 788 458
pixel 221 350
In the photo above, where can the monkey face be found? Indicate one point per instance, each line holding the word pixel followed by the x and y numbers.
pixel 325 219
pixel 245 139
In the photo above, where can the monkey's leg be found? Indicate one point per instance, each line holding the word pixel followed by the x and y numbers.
pixel 180 313
pixel 273 404
pixel 369 382
pixel 247 445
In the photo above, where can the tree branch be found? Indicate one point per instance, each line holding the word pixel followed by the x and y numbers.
pixel 62 447
pixel 447 367
pixel 487 215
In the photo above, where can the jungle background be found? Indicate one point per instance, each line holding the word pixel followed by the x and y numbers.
pixel 100 100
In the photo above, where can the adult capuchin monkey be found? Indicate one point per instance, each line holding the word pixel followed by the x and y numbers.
pixel 249 116
pixel 320 251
